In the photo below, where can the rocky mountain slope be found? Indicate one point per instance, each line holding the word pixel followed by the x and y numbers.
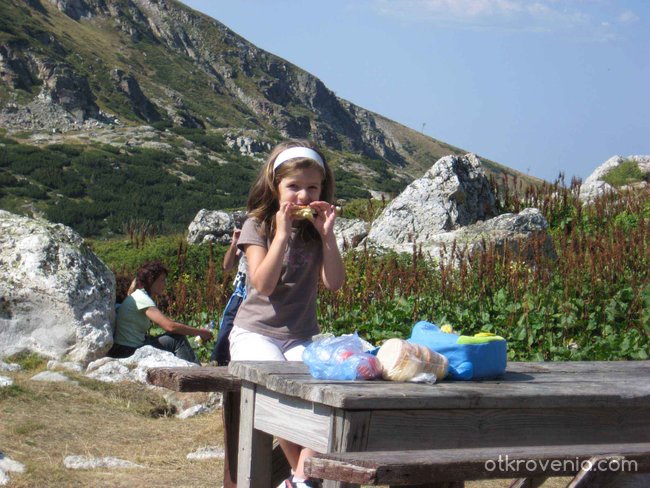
pixel 92 71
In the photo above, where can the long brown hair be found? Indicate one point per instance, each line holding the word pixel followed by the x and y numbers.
pixel 263 199
pixel 148 273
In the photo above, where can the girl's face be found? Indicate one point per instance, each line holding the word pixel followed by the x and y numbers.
pixel 301 187
pixel 158 286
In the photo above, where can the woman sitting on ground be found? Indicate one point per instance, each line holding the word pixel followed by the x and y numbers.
pixel 138 310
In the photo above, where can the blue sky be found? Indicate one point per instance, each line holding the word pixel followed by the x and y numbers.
pixel 542 86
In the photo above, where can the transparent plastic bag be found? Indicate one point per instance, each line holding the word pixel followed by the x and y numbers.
pixel 341 358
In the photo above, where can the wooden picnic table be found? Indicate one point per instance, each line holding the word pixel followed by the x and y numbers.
pixel 534 404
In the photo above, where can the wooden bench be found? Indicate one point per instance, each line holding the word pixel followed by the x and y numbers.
pixel 217 378
pixel 451 467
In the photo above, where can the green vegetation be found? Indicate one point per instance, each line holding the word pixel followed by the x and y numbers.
pixel 625 173
pixel 592 302
pixel 366 209
pixel 28 361
pixel 96 188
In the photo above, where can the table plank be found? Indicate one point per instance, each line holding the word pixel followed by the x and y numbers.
pixel 418 466
pixel 206 378
pixel 533 385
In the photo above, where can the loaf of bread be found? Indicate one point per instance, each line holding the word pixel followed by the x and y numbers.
pixel 403 361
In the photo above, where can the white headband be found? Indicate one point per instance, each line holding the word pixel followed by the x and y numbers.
pixel 297 152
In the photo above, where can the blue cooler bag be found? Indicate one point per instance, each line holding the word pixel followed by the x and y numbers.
pixel 470 357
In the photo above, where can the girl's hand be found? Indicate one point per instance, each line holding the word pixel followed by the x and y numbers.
pixel 284 219
pixel 325 217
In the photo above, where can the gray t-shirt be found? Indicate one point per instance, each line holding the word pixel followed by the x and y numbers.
pixel 290 311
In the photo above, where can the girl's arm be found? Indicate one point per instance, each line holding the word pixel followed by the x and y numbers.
pixel 265 265
pixel 232 252
pixel 332 271
pixel 168 325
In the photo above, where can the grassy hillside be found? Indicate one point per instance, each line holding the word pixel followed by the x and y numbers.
pixel 130 110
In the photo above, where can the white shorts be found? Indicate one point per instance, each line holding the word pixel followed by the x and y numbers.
pixel 252 346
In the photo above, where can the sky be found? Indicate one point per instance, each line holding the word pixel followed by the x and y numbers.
pixel 542 86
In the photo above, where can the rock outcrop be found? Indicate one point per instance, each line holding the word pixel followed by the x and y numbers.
pixel 268 90
pixel 455 192
pixel 214 225
pixel 521 234
pixel 57 298
pixel 350 232
pixel 594 185
pixel 128 85
pixel 452 207
pixel 247 145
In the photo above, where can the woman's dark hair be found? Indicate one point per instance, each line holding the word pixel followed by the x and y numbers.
pixel 122 283
pixel 148 273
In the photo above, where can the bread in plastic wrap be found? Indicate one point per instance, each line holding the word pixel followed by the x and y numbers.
pixel 404 361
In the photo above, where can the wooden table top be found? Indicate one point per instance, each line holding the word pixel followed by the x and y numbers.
pixel 596 384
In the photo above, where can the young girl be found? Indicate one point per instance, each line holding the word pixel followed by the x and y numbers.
pixel 287 254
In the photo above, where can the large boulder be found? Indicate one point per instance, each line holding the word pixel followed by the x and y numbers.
pixel 350 232
pixel 214 225
pixel 57 298
pixel 455 192
pixel 594 185
pixel 522 235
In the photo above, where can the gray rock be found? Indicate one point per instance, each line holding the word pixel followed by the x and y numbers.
pixel 110 371
pixel 57 298
pixel 66 365
pixel 88 462
pixel 79 9
pixel 350 232
pixel 141 105
pixel 508 231
pixel 594 185
pixel 9 366
pixel 455 192
pixel 134 368
pixel 5 381
pixel 247 145
pixel 182 400
pixel 8 465
pixel 194 411
pixel 206 453
pixel 52 376
pixel 214 225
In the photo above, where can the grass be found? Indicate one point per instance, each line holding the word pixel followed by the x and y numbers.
pixel 625 173
pixel 42 423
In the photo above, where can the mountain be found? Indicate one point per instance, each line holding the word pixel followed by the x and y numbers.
pixel 119 109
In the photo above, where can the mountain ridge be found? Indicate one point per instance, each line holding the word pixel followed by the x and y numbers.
pixel 108 65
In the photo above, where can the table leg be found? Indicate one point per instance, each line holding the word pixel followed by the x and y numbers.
pixel 231 402
pixel 255 446
pixel 350 435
